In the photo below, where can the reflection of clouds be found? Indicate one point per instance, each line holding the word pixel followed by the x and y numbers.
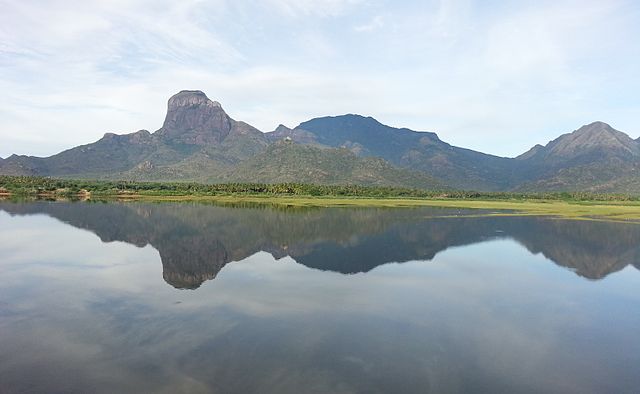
pixel 490 314
pixel 42 240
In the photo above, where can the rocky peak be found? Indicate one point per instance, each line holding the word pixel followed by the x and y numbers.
pixel 596 135
pixel 596 129
pixel 298 135
pixel 282 129
pixel 596 139
pixel 187 98
pixel 193 119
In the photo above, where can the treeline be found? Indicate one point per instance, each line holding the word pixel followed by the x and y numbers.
pixel 26 185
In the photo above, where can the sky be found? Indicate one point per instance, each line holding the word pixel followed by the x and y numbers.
pixel 494 76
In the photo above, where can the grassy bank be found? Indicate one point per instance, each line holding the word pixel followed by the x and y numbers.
pixel 566 205
pixel 595 210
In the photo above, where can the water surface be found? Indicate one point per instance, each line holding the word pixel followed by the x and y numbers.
pixel 140 297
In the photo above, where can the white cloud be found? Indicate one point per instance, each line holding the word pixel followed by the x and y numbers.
pixel 496 78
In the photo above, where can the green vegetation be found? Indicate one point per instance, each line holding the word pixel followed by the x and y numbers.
pixel 33 186
pixel 568 205
pixel 287 163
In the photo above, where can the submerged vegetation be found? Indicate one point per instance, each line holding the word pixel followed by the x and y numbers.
pixel 574 205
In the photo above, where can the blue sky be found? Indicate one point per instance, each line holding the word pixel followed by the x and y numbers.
pixel 495 76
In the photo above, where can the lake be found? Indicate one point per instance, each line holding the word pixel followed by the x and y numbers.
pixel 169 298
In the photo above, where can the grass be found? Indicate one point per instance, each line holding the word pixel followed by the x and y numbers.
pixel 585 210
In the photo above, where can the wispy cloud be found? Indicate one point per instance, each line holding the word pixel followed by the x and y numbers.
pixel 322 8
pixel 496 77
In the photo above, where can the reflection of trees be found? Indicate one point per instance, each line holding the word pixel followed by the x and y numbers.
pixel 195 241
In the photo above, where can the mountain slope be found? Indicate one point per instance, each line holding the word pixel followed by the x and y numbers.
pixel 595 157
pixel 422 151
pixel 199 141
pixel 194 125
pixel 290 162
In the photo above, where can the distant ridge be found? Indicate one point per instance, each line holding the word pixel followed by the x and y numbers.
pixel 199 141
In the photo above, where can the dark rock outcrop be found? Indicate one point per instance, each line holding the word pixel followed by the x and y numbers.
pixel 193 119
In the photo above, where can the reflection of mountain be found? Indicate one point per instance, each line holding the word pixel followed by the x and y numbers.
pixel 196 241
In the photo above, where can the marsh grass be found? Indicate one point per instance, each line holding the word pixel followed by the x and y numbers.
pixel 595 210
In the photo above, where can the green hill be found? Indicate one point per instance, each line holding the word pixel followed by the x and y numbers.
pixel 290 162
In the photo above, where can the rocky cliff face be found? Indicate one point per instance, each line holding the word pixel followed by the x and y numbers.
pixel 193 119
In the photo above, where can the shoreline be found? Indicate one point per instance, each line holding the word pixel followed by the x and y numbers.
pixel 621 211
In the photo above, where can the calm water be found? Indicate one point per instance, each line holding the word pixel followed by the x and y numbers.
pixel 132 298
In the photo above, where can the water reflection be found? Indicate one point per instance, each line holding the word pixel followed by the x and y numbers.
pixel 196 241
pixel 489 313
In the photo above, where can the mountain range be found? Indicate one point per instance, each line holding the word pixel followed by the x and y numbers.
pixel 199 141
